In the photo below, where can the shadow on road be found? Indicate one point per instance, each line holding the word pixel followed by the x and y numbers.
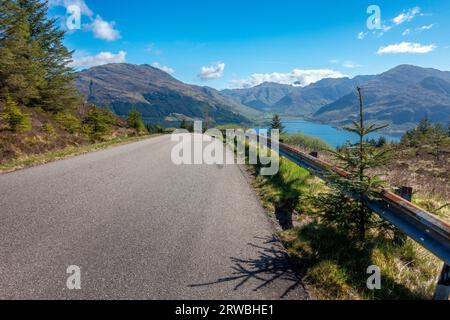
pixel 270 267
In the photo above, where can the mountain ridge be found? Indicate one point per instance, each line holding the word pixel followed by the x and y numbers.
pixel 400 97
pixel 294 100
pixel 157 95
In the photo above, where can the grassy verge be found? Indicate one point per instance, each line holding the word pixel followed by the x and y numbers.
pixel 37 159
pixel 328 259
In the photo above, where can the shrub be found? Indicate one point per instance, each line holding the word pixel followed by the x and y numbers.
pixel 187 125
pixel 16 120
pixel 135 120
pixel 97 122
pixel 48 128
pixel 155 128
pixel 69 122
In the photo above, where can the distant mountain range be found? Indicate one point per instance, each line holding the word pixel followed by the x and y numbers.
pixel 400 97
pixel 293 100
pixel 158 95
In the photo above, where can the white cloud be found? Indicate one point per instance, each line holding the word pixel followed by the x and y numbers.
pixel 418 30
pixel 151 48
pixel 406 32
pixel 100 28
pixel 166 69
pixel 350 64
pixel 346 64
pixel 99 59
pixel 296 77
pixel 407 15
pixel 213 72
pixel 424 28
pixel 407 47
pixel 104 30
pixel 66 3
pixel 362 35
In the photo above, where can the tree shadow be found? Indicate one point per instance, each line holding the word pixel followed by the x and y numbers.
pixel 284 216
pixel 272 264
pixel 287 185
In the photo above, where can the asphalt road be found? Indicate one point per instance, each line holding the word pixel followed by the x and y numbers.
pixel 139 227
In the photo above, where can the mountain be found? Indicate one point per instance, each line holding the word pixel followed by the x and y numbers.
pixel 400 97
pixel 261 97
pixel 293 100
pixel 157 95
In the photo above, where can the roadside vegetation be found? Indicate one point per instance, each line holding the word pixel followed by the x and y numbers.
pixel 306 143
pixel 42 116
pixel 29 160
pixel 333 239
pixel 422 161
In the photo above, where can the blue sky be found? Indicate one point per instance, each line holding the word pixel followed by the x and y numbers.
pixel 234 43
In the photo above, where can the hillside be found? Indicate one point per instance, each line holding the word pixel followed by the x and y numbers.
pixel 157 95
pixel 400 97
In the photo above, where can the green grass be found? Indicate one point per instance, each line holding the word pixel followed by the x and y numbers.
pixel 289 189
pixel 36 159
pixel 306 142
pixel 336 266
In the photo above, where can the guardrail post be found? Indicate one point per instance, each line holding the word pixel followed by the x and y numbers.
pixel 406 193
pixel 314 154
pixel 443 286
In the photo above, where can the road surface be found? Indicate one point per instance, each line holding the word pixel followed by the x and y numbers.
pixel 139 227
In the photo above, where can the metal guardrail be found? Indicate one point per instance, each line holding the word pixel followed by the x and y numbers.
pixel 426 229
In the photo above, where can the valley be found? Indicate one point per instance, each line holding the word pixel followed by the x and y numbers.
pixel 399 97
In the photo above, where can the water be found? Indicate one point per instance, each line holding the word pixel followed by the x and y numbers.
pixel 333 136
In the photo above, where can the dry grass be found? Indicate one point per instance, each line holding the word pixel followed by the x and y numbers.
pixel 50 140
pixel 429 178
pixel 29 160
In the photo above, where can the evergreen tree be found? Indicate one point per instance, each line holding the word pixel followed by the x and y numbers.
pixel 135 120
pixel 424 126
pixel 381 142
pixel 187 125
pixel 97 122
pixel 33 60
pixel 16 120
pixel 346 204
pixel 276 124
pixel 439 139
pixel 21 73
pixel 59 93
